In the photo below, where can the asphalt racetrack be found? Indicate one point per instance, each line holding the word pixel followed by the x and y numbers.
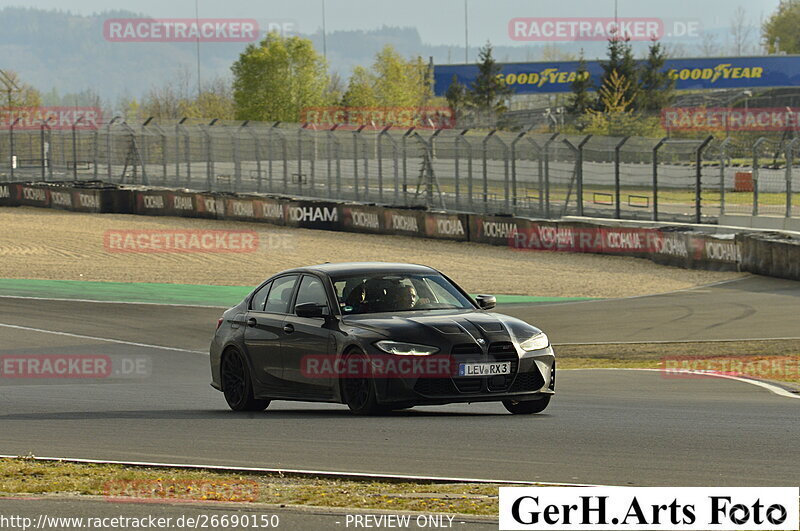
pixel 604 426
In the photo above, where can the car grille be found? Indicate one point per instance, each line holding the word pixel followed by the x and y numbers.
pixel 472 352
pixel 503 351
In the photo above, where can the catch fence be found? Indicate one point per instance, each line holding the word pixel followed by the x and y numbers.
pixel 497 172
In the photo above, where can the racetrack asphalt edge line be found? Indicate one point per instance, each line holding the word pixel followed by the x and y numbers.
pixel 105 339
pixel 780 391
pixel 299 472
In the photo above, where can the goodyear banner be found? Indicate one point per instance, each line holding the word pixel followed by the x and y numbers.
pixel 689 74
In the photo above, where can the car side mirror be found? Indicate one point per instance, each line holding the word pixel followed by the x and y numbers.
pixel 311 309
pixel 486 302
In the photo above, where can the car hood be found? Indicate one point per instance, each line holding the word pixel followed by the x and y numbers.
pixel 445 327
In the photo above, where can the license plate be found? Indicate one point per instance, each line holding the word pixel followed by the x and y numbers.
pixel 484 369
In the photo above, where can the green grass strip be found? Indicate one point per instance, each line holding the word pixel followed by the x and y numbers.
pixel 167 293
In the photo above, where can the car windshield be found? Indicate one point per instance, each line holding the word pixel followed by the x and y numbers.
pixel 397 292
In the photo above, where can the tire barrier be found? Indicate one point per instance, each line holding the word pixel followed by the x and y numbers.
pixel 765 253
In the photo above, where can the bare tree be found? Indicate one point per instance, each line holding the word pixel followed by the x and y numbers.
pixel 741 32
pixel 709 46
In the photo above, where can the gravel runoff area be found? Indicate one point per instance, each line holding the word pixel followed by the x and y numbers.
pixel 50 244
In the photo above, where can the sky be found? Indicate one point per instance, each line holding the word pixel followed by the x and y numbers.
pixel 438 21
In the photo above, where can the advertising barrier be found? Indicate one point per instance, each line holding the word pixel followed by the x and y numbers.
pixel 701 73
pixel 772 254
pixel 312 215
pixel 404 222
pixel 8 194
pixel 494 230
pixel 714 252
pixel 447 226
pixel 153 203
pixel 210 205
pixel 363 218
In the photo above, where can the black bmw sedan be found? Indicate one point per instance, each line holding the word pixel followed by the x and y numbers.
pixel 377 337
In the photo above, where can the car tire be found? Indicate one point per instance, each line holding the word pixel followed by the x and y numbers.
pixel 359 393
pixel 527 407
pixel 237 385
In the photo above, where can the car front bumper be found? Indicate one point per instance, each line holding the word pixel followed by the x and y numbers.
pixel 533 376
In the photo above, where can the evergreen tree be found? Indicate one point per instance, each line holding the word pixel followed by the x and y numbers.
pixel 457 97
pixel 487 92
pixel 656 88
pixel 582 99
pixel 621 60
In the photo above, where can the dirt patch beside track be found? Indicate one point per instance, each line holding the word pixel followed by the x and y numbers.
pixel 47 244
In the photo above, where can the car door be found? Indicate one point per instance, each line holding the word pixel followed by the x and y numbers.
pixel 308 336
pixel 264 330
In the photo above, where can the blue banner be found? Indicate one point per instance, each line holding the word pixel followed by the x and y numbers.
pixel 689 74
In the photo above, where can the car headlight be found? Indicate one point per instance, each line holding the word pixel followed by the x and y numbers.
pixel 406 349
pixel 537 342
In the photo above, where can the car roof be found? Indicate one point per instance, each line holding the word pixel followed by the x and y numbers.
pixel 358 268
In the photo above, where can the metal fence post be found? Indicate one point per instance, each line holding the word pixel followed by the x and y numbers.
pixel 547 175
pixel 580 172
pixel 110 146
pixel 300 158
pixel 379 148
pixel 144 150
pixel 431 180
pixel 756 147
pixel 11 157
pixel 457 159
pixel 789 164
pixel 210 171
pixel 75 147
pixel 578 151
pixel 333 150
pixel 47 166
pixel 95 151
pixel 178 127
pixel 617 191
pixel 237 157
pixel 284 155
pixel 356 135
pixel 514 143
pixel 405 164
pixel 723 158
pixel 485 168
pixel 163 137
pixel 655 176
pixel 698 187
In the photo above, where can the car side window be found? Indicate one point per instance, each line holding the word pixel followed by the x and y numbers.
pixel 260 298
pixel 311 290
pixel 280 295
